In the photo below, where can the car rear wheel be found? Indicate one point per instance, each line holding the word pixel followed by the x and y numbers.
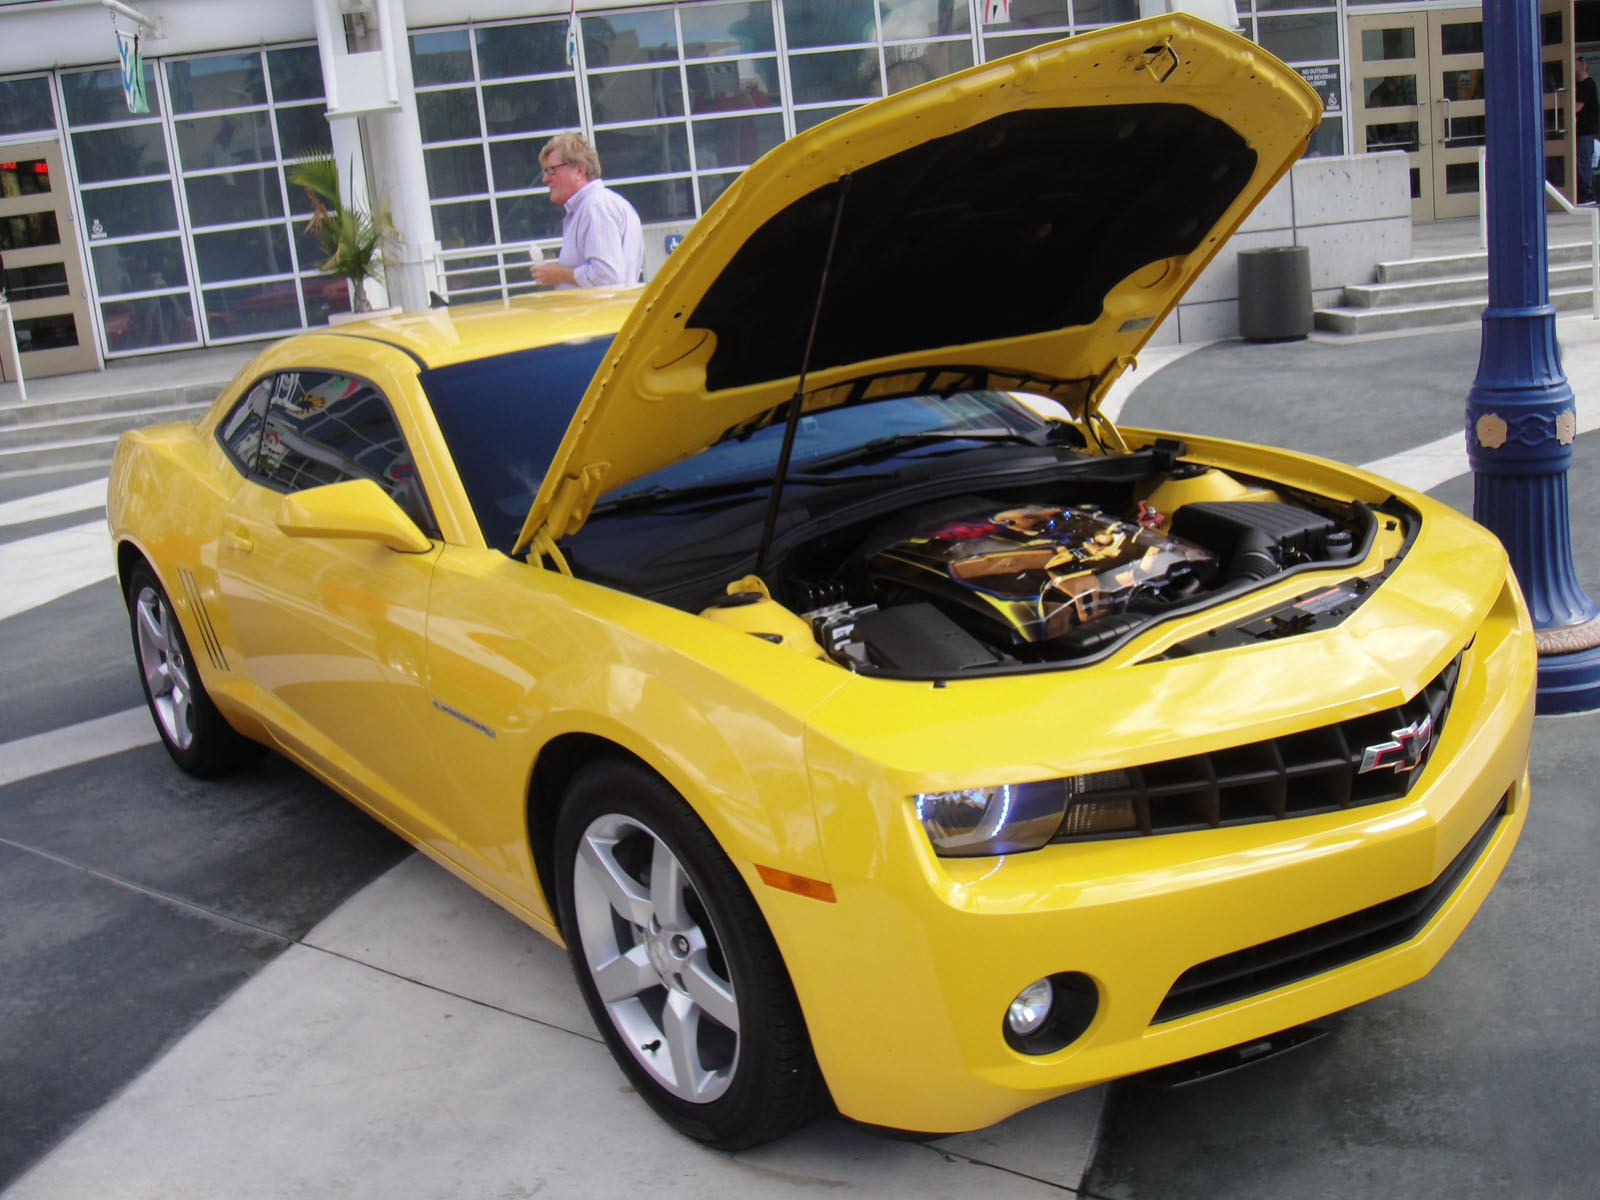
pixel 676 964
pixel 193 731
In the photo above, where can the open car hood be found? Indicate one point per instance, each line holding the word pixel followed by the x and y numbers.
pixel 1024 224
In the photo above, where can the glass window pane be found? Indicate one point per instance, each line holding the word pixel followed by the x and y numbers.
pixel 907 66
pixel 448 116
pixel 532 48
pixel 216 81
pixel 1555 170
pixel 516 163
pixel 95 97
pixel 529 218
pixel 1328 139
pixel 296 73
pixel 1465 131
pixel 735 141
pixel 242 253
pixel 1461 177
pixel 1387 91
pixel 712 186
pixel 151 321
pixel 807 117
pixel 844 75
pixel 56 332
pixel 1380 44
pixel 27 177
pixel 469 224
pixel 710 29
pixel 1550 29
pixel 648 150
pixel 733 84
pixel 235 139
pixel 240 431
pixel 126 211
pixel 440 57
pixel 23 230
pixel 636 95
pixel 138 266
pixel 617 39
pixel 1300 37
pixel 1035 13
pixel 1462 37
pixel 324 294
pixel 303 130
pixel 25 106
pixel 236 196
pixel 1462 85
pixel 999 47
pixel 1106 12
pixel 923 18
pixel 1400 135
pixel 456 171
pixel 828 22
pixel 254 308
pixel 21 284
pixel 533 104
pixel 124 152
pixel 660 199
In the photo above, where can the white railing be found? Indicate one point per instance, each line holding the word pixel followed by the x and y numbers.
pixel 1594 231
pixel 16 350
pixel 490 272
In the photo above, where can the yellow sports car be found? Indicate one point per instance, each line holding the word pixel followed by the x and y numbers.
pixel 876 723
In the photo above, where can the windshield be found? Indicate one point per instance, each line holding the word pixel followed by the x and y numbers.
pixel 825 436
pixel 503 418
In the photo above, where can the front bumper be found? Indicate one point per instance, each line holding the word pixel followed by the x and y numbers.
pixel 923 955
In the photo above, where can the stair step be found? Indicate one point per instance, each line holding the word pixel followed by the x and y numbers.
pixel 1458 287
pixel 92 425
pixel 1353 319
pixel 1447 266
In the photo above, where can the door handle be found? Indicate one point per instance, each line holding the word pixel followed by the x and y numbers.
pixel 237 541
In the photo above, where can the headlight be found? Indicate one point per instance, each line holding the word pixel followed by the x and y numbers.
pixel 1010 817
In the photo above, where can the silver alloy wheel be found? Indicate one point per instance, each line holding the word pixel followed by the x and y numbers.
pixel 166 672
pixel 655 958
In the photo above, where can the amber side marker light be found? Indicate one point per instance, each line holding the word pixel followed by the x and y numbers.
pixel 800 885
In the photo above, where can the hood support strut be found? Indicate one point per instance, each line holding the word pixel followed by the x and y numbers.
pixel 792 421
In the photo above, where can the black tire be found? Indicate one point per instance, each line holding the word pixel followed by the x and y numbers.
pixel 699 1011
pixel 193 731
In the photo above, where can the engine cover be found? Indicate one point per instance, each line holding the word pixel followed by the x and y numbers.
pixel 1038 570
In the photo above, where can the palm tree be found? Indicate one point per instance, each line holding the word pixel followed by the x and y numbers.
pixel 352 237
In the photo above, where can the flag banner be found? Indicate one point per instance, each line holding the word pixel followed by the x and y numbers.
pixel 996 12
pixel 132 72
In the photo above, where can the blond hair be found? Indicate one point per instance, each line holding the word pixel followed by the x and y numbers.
pixel 573 149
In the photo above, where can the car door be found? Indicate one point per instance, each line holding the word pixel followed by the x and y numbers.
pixel 332 630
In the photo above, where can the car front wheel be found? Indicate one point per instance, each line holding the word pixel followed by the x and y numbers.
pixel 676 964
pixel 193 731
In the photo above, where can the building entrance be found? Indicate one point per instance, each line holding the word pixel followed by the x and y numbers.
pixel 43 274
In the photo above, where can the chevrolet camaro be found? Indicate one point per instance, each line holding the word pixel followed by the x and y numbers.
pixel 879 725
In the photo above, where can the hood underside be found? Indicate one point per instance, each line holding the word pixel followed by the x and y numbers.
pixel 1024 225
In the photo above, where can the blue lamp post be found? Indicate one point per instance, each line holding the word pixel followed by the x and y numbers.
pixel 1521 419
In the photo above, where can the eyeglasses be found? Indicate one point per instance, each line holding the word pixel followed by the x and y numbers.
pixel 549 169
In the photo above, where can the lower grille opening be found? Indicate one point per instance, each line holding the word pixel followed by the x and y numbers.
pixel 1309 952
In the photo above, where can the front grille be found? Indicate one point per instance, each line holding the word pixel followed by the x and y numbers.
pixel 1309 952
pixel 1314 771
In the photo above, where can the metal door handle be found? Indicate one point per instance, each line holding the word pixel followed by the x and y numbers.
pixel 237 541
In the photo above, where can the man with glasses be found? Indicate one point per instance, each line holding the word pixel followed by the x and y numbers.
pixel 602 244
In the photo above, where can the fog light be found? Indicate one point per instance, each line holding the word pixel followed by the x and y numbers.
pixel 1031 1009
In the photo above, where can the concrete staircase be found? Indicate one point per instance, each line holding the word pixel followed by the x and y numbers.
pixel 1448 289
pixel 72 421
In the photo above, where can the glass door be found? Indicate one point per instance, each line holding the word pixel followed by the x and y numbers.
pixel 1389 95
pixel 43 274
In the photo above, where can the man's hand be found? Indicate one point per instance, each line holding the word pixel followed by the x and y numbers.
pixel 548 274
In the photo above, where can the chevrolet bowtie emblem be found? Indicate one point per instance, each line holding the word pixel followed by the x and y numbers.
pixel 1405 753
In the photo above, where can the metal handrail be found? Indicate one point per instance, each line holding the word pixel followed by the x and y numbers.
pixel 489 272
pixel 1594 231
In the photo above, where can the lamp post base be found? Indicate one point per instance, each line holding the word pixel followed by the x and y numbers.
pixel 1568 683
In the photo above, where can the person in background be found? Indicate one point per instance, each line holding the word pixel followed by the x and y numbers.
pixel 602 244
pixel 1586 101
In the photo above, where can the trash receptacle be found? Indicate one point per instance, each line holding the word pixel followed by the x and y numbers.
pixel 1275 293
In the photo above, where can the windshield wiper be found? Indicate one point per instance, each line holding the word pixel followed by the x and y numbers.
pixel 893 443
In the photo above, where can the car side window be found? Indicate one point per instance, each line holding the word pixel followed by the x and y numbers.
pixel 322 427
pixel 240 430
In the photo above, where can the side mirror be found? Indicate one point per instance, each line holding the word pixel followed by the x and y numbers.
pixel 356 508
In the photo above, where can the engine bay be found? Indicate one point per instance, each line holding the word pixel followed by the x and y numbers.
pixel 1047 566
